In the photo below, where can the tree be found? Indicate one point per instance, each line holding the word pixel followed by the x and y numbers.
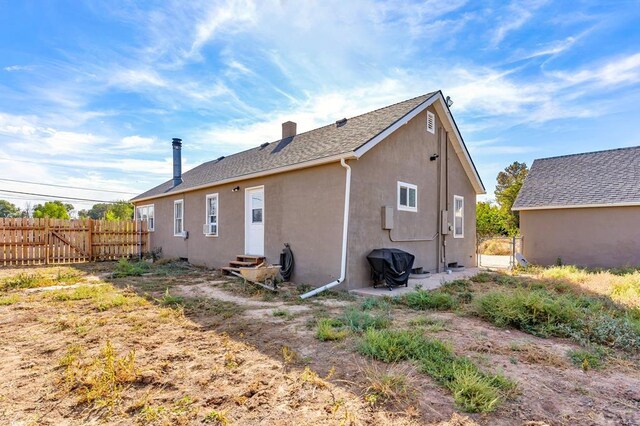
pixel 490 220
pixel 508 186
pixel 9 210
pixel 119 210
pixel 52 209
pixel 97 211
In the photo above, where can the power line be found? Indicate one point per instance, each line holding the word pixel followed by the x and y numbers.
pixel 65 186
pixel 65 166
pixel 58 196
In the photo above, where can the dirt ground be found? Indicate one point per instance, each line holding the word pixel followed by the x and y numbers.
pixel 210 349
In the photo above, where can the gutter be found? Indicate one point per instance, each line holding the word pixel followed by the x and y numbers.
pixel 345 233
pixel 283 169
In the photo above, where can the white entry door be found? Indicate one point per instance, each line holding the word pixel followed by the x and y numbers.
pixel 254 221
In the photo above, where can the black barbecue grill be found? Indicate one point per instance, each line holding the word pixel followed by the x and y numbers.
pixel 392 266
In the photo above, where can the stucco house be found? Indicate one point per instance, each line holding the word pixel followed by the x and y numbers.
pixel 397 177
pixel 583 209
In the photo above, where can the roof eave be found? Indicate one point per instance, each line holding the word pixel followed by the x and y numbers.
pixel 285 169
pixel 577 206
pixel 467 162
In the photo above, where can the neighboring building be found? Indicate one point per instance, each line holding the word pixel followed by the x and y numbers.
pixel 323 192
pixel 582 209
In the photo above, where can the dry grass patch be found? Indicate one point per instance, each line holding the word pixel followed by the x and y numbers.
pixel 42 278
pixel 388 384
pixel 523 352
pixel 99 380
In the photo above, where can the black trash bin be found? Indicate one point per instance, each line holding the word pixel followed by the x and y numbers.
pixel 392 266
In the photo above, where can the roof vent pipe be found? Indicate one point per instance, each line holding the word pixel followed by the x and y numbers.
pixel 177 161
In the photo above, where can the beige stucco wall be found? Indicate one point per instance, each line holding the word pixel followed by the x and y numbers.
pixel 303 208
pixel 404 156
pixel 594 237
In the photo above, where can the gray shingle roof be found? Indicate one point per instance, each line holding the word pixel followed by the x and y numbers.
pixel 603 177
pixel 320 143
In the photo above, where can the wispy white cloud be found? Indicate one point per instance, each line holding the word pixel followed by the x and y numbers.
pixel 624 70
pixel 15 68
pixel 517 14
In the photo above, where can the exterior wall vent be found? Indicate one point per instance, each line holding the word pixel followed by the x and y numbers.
pixel 431 122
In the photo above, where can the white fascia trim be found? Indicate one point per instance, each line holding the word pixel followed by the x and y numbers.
pixel 470 168
pixel 303 165
pixel 395 126
pixel 578 206
pixel 437 97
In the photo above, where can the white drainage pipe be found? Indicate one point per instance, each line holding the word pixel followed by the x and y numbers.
pixel 345 233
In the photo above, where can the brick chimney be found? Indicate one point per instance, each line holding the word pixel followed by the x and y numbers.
pixel 288 129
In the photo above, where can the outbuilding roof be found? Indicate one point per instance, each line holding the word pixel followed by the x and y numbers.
pixel 324 143
pixel 592 179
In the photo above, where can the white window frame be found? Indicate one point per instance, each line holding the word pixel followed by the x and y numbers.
pixel 175 230
pixel 143 211
pixel 207 222
pixel 456 215
pixel 409 187
pixel 431 119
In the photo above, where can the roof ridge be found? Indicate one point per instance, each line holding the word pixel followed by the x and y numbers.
pixel 321 127
pixel 588 153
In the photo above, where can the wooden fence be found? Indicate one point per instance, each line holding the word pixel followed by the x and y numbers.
pixel 54 241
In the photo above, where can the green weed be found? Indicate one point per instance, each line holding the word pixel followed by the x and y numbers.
pixel 586 360
pixel 424 299
pixel 473 390
pixel 330 329
pixel 9 300
pixel 124 268
pixel 360 321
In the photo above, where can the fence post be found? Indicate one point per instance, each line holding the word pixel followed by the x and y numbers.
pixel 90 239
pixel 47 240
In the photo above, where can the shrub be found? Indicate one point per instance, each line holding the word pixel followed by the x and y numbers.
pixel 330 329
pixel 423 299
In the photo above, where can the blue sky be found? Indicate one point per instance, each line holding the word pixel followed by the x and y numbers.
pixel 92 92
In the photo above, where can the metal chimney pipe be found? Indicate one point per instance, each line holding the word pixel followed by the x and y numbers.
pixel 177 161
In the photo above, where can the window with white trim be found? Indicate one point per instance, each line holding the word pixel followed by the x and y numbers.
pixel 407 197
pixel 211 224
pixel 431 122
pixel 458 216
pixel 178 218
pixel 146 213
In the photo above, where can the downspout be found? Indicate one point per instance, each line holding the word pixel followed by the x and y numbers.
pixel 446 194
pixel 345 233
pixel 439 180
